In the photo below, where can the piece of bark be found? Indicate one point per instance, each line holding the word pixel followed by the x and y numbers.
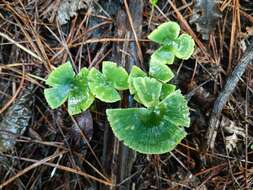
pixel 16 120
pixel 117 156
pixel 126 156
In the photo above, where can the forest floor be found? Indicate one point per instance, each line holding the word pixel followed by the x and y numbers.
pixel 49 149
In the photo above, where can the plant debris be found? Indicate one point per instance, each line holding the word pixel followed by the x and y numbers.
pixel 234 132
pixel 64 9
pixel 205 16
pixel 15 120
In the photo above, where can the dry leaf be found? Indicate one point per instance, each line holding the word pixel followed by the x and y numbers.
pixel 231 128
pixel 84 127
pixel 69 8
pixel 205 15
pixel 231 142
pixel 63 10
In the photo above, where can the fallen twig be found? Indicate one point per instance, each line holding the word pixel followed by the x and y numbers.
pixel 225 93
